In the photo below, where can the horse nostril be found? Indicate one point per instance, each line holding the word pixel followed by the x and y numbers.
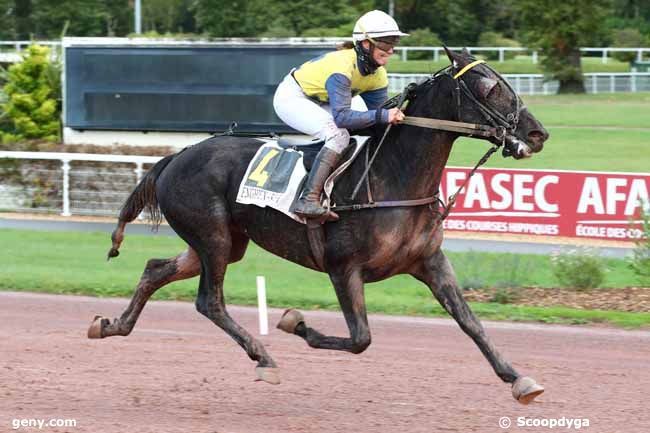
pixel 538 136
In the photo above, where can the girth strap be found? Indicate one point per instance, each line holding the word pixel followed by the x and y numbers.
pixel 387 203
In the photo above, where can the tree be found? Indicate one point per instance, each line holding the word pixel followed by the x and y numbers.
pixel 22 10
pixel 85 17
pixel 232 18
pixel 33 93
pixel 560 28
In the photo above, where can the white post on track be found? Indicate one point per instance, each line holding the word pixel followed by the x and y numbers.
pixel 261 305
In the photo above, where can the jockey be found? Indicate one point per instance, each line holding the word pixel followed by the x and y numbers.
pixel 316 99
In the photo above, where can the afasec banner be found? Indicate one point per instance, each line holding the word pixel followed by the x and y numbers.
pixel 551 203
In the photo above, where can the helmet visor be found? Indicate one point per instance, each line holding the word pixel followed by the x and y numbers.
pixel 385 43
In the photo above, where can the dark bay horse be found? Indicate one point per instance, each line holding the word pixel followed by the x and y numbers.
pixel 196 188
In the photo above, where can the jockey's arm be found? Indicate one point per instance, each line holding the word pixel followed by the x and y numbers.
pixel 339 92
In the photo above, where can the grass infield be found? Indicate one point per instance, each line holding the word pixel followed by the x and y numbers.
pixel 75 263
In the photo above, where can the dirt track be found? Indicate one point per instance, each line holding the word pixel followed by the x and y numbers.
pixel 178 373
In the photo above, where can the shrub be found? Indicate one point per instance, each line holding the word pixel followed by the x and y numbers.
pixel 493 39
pixel 629 37
pixel 514 271
pixel 504 296
pixel 421 38
pixel 640 260
pixel 579 268
pixel 33 97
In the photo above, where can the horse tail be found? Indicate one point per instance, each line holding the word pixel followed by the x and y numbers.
pixel 142 197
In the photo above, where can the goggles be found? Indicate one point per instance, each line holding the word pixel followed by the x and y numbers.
pixel 386 43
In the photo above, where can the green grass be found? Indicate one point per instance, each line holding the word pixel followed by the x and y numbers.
pixel 74 263
pixel 623 110
pixel 519 65
pixel 570 149
pixel 588 132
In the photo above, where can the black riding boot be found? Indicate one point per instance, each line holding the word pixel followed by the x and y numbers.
pixel 309 204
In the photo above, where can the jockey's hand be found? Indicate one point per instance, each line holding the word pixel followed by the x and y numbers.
pixel 395 115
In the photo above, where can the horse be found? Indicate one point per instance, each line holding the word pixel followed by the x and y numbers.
pixel 195 190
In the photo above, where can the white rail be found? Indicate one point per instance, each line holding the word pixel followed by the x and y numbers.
pixel 67 158
pixel 18 46
pixel 534 84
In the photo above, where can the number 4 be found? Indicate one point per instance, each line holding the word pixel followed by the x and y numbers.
pixel 259 175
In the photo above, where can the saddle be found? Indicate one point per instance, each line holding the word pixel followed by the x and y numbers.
pixel 310 148
pixel 276 173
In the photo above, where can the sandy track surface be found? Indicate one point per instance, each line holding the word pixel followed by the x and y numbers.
pixel 178 373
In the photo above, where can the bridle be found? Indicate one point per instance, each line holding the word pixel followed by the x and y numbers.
pixel 509 122
pixel 496 131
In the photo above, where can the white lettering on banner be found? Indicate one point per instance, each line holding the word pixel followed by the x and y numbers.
pixel 613 196
pixel 501 226
pixel 503 192
pixel 524 194
pixel 590 196
pixel 520 191
pixel 540 193
pixel 476 191
pixel 638 195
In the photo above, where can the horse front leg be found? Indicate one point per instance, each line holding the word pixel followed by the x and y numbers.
pixel 437 273
pixel 157 273
pixel 349 290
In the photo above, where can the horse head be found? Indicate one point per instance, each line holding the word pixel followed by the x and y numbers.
pixel 483 95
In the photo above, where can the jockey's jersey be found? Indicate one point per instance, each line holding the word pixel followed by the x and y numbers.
pixel 312 75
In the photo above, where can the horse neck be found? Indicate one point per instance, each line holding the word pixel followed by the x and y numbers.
pixel 413 158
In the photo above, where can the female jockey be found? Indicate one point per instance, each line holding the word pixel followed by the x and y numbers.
pixel 316 99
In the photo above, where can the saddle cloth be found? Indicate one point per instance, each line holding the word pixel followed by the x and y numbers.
pixel 275 176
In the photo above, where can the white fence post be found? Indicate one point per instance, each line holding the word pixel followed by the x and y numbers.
pixel 436 55
pixel 404 54
pixel 138 178
pixel 604 56
pixel 501 55
pixel 66 188
pixel 612 83
pixel 261 306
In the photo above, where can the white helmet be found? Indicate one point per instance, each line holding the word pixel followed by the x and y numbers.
pixel 375 24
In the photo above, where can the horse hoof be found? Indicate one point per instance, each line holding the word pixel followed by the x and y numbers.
pixel 290 319
pixel 95 330
pixel 268 374
pixel 525 389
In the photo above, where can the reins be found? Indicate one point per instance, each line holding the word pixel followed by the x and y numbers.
pixel 498 128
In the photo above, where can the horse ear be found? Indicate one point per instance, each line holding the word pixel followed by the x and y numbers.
pixel 465 52
pixel 456 59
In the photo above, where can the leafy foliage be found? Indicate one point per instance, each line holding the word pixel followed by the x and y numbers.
pixel 579 268
pixel 421 38
pixel 32 93
pixel 640 260
pixel 560 28
pixel 628 37
pixel 494 39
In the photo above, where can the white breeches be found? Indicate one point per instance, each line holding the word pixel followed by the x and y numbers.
pixel 309 117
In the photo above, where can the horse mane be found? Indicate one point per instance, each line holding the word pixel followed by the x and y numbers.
pixel 430 98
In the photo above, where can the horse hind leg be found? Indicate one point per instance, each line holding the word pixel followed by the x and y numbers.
pixel 216 250
pixel 157 273
pixel 438 274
